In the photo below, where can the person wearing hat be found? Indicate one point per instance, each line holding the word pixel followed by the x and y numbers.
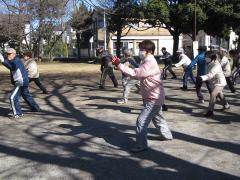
pixel 201 70
pixel 20 81
pixel 217 81
pixel 167 59
pixel 184 61
pixel 106 68
pixel 32 69
pixel 226 67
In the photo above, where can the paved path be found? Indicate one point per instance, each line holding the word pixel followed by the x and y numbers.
pixel 83 134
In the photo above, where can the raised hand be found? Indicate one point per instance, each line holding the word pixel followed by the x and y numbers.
pixel 115 60
pixel 1 58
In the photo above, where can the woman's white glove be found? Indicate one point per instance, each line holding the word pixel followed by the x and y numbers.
pixel 1 58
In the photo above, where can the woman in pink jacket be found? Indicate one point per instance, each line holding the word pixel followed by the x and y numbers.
pixel 152 91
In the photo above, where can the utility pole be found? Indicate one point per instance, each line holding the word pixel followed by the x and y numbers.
pixel 105 29
pixel 195 43
pixel 195 22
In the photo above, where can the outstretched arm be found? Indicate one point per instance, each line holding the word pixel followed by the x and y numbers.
pixel 6 63
pixel 1 58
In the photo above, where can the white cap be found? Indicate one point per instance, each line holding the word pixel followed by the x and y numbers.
pixel 222 49
pixel 11 50
pixel 180 50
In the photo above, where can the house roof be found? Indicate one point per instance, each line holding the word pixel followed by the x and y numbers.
pixel 147 32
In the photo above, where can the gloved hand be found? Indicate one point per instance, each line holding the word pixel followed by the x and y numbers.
pixel 115 60
pixel 1 58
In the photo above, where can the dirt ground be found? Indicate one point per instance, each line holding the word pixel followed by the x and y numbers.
pixel 81 133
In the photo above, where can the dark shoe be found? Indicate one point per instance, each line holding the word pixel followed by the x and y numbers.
pixel 101 87
pixel 164 107
pixel 161 138
pixel 184 88
pixel 36 110
pixel 174 77
pixel 116 86
pixel 209 114
pixel 138 149
pixel 45 92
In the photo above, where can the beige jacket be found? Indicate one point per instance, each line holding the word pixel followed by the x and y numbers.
pixel 32 69
pixel 215 74
pixel 226 67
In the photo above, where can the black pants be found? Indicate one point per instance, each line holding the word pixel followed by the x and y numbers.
pixel 230 84
pixel 235 75
pixel 39 84
pixel 108 71
pixel 168 68
pixel 198 89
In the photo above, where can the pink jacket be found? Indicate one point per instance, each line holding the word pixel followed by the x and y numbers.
pixel 149 75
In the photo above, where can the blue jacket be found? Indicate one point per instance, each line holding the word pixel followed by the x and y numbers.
pixel 18 72
pixel 201 64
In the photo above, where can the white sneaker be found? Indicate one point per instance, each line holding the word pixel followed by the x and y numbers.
pixel 122 101
pixel 18 116
pixel 226 107
pixel 201 101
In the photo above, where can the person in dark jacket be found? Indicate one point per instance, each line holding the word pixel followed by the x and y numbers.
pixel 201 70
pixel 167 59
pixel 19 78
pixel 106 68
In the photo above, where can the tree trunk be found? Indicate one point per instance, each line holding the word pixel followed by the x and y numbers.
pixel 40 37
pixel 175 45
pixel 119 33
pixel 89 55
pixel 238 43
pixel 78 45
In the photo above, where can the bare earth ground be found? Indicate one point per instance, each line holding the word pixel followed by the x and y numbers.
pixel 82 133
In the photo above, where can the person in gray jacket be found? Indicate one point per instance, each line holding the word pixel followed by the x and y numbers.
pixel 127 81
pixel 32 69
pixel 217 82
pixel 226 67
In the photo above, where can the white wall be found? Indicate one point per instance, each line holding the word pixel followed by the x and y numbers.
pixel 160 41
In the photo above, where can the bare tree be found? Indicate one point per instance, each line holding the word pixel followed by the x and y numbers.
pixel 81 21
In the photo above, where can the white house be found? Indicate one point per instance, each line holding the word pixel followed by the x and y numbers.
pixel 160 36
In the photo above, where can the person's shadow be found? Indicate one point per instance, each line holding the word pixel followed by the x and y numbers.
pixel 4 111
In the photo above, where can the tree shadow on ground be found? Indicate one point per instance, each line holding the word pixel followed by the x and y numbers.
pixel 222 145
pixel 225 118
pixel 113 160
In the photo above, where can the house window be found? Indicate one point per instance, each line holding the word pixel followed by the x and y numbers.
pixel 125 44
